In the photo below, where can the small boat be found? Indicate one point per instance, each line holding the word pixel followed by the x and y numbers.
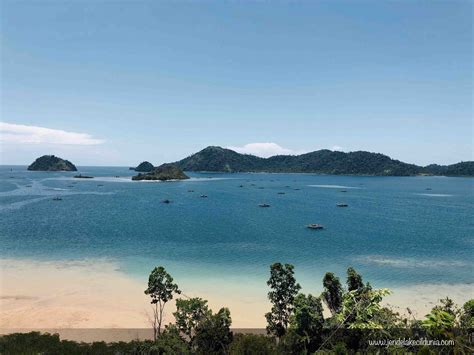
pixel 57 199
pixel 264 205
pixel 296 189
pixel 315 226
pixel 241 185
pixel 342 205
pixel 100 185
pixel 428 189
pixel 166 201
pixel 203 196
pixel 281 193
pixel 343 191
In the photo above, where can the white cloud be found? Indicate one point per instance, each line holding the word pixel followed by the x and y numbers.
pixel 264 150
pixel 23 134
pixel 336 147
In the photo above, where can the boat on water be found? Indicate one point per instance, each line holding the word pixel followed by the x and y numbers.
pixel 203 196
pixel 343 191
pixel 281 193
pixel 342 205
pixel 166 201
pixel 100 185
pixel 428 189
pixel 57 199
pixel 264 205
pixel 315 226
pixel 241 185
pixel 296 189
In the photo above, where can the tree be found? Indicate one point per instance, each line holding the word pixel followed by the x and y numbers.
pixel 189 312
pixel 284 288
pixel 361 309
pixel 161 289
pixel 332 293
pixel 467 316
pixel 354 280
pixel 170 342
pixel 307 320
pixel 213 335
pixel 249 344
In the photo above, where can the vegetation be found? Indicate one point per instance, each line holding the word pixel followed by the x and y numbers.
pixel 163 172
pixel 320 162
pixel 296 324
pixel 144 167
pixel 160 289
pixel 52 163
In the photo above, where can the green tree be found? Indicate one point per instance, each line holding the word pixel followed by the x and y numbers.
pixel 467 316
pixel 170 342
pixel 284 289
pixel 160 289
pixel 332 293
pixel 250 344
pixel 189 312
pixel 354 280
pixel 361 309
pixel 307 320
pixel 213 335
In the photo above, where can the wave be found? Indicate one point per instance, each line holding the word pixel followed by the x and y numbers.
pixel 434 195
pixel 411 262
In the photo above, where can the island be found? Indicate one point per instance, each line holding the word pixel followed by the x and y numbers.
pixel 218 159
pixel 164 172
pixel 51 163
pixel 144 167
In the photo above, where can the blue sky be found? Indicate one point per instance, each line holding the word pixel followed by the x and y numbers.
pixel 115 83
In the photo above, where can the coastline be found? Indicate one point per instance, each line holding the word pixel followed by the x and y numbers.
pixel 75 295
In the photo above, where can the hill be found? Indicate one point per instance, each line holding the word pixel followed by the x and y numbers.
pixel 52 163
pixel 321 162
pixel 163 172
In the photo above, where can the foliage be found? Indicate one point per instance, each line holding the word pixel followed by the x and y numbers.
pixel 161 289
pixel 189 312
pixel 439 322
pixel 52 163
pixel 307 320
pixel 467 316
pixel 284 289
pixel 321 161
pixel 332 294
pixel 170 342
pixel 361 309
pixel 144 167
pixel 354 280
pixel 249 344
pixel 213 335
pixel 163 173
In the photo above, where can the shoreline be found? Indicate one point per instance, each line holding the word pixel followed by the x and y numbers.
pixel 93 294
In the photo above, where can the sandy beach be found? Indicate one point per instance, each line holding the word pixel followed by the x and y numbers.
pixel 71 296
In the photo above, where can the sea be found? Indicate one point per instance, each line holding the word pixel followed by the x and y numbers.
pixel 395 231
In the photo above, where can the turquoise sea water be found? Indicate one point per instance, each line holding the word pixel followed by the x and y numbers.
pixel 396 230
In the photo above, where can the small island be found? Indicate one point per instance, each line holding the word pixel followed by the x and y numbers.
pixel 51 163
pixel 164 172
pixel 144 167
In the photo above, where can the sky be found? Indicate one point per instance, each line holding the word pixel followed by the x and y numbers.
pixel 118 82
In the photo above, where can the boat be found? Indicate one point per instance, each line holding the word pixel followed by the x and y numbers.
pixel 203 196
pixel 342 205
pixel 315 226
pixel 241 185
pixel 281 193
pixel 343 191
pixel 264 205
pixel 428 189
pixel 296 189
pixel 166 201
pixel 57 199
pixel 100 185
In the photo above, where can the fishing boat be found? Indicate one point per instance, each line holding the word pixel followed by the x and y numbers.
pixel 57 199
pixel 264 205
pixel 166 201
pixel 281 193
pixel 203 196
pixel 315 226
pixel 342 205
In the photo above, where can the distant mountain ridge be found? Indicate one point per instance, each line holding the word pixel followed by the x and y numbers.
pixel 324 161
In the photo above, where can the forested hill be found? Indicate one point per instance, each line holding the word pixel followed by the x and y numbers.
pixel 321 162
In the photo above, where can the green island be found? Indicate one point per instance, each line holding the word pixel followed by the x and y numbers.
pixel 324 161
pixel 144 167
pixel 51 163
pixel 164 172
pixel 357 323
